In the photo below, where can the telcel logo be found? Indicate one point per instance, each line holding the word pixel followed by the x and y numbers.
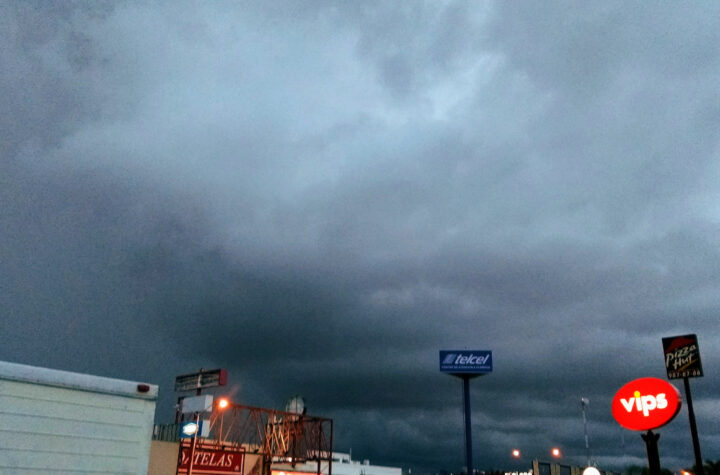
pixel 466 361
pixel 646 403
pixel 471 359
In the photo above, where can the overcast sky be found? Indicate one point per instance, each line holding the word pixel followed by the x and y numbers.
pixel 319 196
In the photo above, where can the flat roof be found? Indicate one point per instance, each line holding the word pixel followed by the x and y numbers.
pixel 77 381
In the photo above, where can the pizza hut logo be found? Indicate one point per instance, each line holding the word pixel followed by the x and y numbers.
pixel 646 403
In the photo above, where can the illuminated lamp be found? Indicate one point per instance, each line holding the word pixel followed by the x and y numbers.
pixel 188 429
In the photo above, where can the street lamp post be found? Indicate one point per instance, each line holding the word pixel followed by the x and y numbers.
pixel 222 404
pixel 584 402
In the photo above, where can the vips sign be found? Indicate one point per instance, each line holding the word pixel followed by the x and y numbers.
pixel 465 361
pixel 645 404
pixel 682 357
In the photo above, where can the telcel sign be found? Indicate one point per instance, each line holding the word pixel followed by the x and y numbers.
pixel 646 403
pixel 466 361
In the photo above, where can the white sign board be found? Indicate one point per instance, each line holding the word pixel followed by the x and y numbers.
pixel 197 403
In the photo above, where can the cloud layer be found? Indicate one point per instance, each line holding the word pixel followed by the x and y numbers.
pixel 320 197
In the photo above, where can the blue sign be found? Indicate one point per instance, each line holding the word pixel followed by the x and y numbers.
pixel 466 361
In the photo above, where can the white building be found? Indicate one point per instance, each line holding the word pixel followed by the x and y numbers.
pixel 61 422
pixel 342 464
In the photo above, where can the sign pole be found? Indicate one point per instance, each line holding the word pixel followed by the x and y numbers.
pixel 653 455
pixel 468 424
pixel 693 429
pixel 466 364
pixel 682 360
pixel 194 442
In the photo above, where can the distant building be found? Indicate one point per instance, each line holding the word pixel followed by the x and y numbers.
pixel 342 464
pixel 550 468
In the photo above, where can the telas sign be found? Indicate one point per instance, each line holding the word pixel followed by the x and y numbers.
pixel 646 403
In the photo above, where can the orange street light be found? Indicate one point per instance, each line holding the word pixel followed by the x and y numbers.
pixel 556 452
pixel 222 404
pixel 516 453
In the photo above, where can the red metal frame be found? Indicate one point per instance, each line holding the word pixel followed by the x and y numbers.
pixel 278 436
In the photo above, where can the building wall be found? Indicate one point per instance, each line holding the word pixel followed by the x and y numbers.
pixel 50 429
pixel 163 458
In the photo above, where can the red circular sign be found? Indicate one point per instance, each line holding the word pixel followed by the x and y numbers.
pixel 646 403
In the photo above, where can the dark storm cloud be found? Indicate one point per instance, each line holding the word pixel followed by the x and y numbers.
pixel 319 197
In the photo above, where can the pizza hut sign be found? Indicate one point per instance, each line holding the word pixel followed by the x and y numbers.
pixel 645 404
pixel 682 357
